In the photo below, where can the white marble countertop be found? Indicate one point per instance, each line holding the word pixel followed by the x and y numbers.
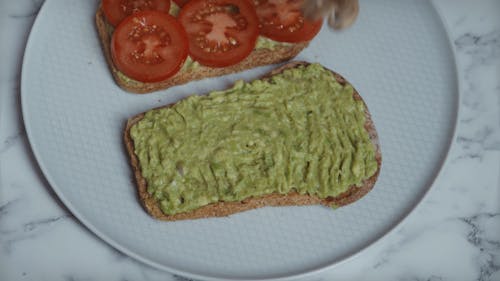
pixel 454 234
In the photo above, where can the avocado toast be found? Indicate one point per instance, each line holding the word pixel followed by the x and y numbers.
pixel 266 52
pixel 332 166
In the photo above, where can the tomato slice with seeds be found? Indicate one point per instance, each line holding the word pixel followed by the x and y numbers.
pixel 282 20
pixel 117 10
pixel 149 46
pixel 220 32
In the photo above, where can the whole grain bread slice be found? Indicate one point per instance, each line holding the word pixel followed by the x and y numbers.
pixel 220 209
pixel 259 57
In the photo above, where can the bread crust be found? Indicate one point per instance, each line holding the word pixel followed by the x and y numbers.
pixel 258 57
pixel 221 209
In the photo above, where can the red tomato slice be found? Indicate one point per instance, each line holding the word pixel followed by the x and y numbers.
pixel 117 10
pixel 180 3
pixel 220 32
pixel 149 46
pixel 282 20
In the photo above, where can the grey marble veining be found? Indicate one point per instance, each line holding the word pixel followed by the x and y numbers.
pixel 454 234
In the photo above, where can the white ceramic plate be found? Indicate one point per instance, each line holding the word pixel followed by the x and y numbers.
pixel 398 57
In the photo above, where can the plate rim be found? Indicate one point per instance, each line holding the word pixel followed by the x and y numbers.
pixel 314 271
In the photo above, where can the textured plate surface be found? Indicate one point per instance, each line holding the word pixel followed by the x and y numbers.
pixel 397 56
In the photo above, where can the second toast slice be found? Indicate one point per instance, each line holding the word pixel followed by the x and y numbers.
pixel 272 197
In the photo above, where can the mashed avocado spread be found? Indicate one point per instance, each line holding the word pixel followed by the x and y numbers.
pixel 299 131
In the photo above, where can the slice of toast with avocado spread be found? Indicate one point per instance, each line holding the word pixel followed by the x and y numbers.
pixel 266 52
pixel 301 135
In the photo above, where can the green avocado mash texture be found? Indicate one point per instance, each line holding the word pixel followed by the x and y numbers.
pixel 298 131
